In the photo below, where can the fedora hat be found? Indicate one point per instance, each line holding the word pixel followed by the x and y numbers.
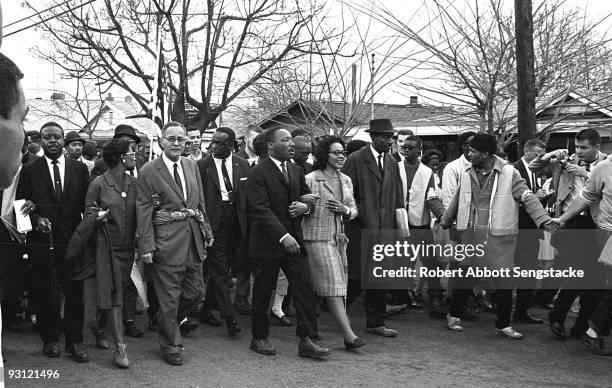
pixel 126 130
pixel 380 126
pixel 73 136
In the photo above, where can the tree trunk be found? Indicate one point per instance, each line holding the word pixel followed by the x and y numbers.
pixel 525 72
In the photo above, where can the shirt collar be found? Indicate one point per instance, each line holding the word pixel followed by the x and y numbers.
pixel 169 163
pixel 276 161
pixel 60 161
pixel 375 153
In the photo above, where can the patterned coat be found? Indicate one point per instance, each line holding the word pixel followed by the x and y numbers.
pixel 322 224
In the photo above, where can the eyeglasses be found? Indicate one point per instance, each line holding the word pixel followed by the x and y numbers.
pixel 130 154
pixel 406 147
pixel 173 139
pixel 339 153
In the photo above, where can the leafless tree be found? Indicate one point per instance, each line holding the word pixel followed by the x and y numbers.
pixel 213 50
pixel 470 56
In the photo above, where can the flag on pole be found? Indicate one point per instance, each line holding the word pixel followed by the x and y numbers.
pixel 159 105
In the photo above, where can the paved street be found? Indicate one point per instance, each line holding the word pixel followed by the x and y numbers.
pixel 425 354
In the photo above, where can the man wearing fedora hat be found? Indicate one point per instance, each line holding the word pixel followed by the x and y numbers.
pixel 73 143
pixel 127 133
pixel 378 193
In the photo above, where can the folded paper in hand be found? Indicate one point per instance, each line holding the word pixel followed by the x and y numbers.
pixel 22 222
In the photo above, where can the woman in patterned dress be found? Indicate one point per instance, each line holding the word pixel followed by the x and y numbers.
pixel 323 230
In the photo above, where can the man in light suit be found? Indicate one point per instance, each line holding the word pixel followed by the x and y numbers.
pixel 223 178
pixel 174 233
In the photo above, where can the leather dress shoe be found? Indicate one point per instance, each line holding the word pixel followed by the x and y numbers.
pixel 132 331
pixel 187 326
pixel 51 350
pixel 357 343
pixel 78 352
pixel 242 306
pixel 207 317
pixel 596 345
pixel 232 327
pixel 415 305
pixel 262 346
pixel 283 321
pixel 173 358
pixel 308 348
pixel 382 331
pixel 101 342
pixel 527 318
pixel 557 327
pixel 392 310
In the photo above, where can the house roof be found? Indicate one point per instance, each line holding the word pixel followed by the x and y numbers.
pixel 114 113
pixel 422 119
pixel 65 112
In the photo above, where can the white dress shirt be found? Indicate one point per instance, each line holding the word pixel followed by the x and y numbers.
pixel 170 165
pixel 61 164
pixel 228 166
pixel 376 153
pixel 532 176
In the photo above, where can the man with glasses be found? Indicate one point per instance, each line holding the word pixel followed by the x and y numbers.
pixel 127 133
pixel 174 233
pixel 223 178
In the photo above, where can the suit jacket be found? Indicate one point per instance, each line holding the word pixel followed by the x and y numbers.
pixel 100 167
pixel 35 184
pixel 212 191
pixel 170 242
pixel 269 196
pixel 307 167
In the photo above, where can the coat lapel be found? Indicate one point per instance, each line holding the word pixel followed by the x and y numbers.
pixel 276 172
pixel 44 167
pixel 67 175
pixel 165 174
pixel 212 173
pixel 372 164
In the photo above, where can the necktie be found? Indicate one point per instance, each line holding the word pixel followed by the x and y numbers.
pixel 177 179
pixel 380 166
pixel 57 181
pixel 227 181
pixel 534 183
pixel 284 171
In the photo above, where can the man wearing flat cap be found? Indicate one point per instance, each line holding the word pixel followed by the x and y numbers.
pixel 127 133
pixel 378 193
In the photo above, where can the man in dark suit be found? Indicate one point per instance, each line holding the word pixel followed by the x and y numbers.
pixel 173 234
pixel 127 133
pixel 223 178
pixel 275 189
pixel 378 193
pixel 528 243
pixel 55 188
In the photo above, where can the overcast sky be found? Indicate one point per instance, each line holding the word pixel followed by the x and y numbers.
pixel 41 78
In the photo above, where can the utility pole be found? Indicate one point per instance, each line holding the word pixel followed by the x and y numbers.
pixel 523 26
pixel 372 74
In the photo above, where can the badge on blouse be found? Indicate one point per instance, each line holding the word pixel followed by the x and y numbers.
pixel 123 194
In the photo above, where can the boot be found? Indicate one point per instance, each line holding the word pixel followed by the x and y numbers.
pixel 101 342
pixel 120 356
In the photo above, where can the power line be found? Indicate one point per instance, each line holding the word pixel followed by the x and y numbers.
pixel 47 19
pixel 38 13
